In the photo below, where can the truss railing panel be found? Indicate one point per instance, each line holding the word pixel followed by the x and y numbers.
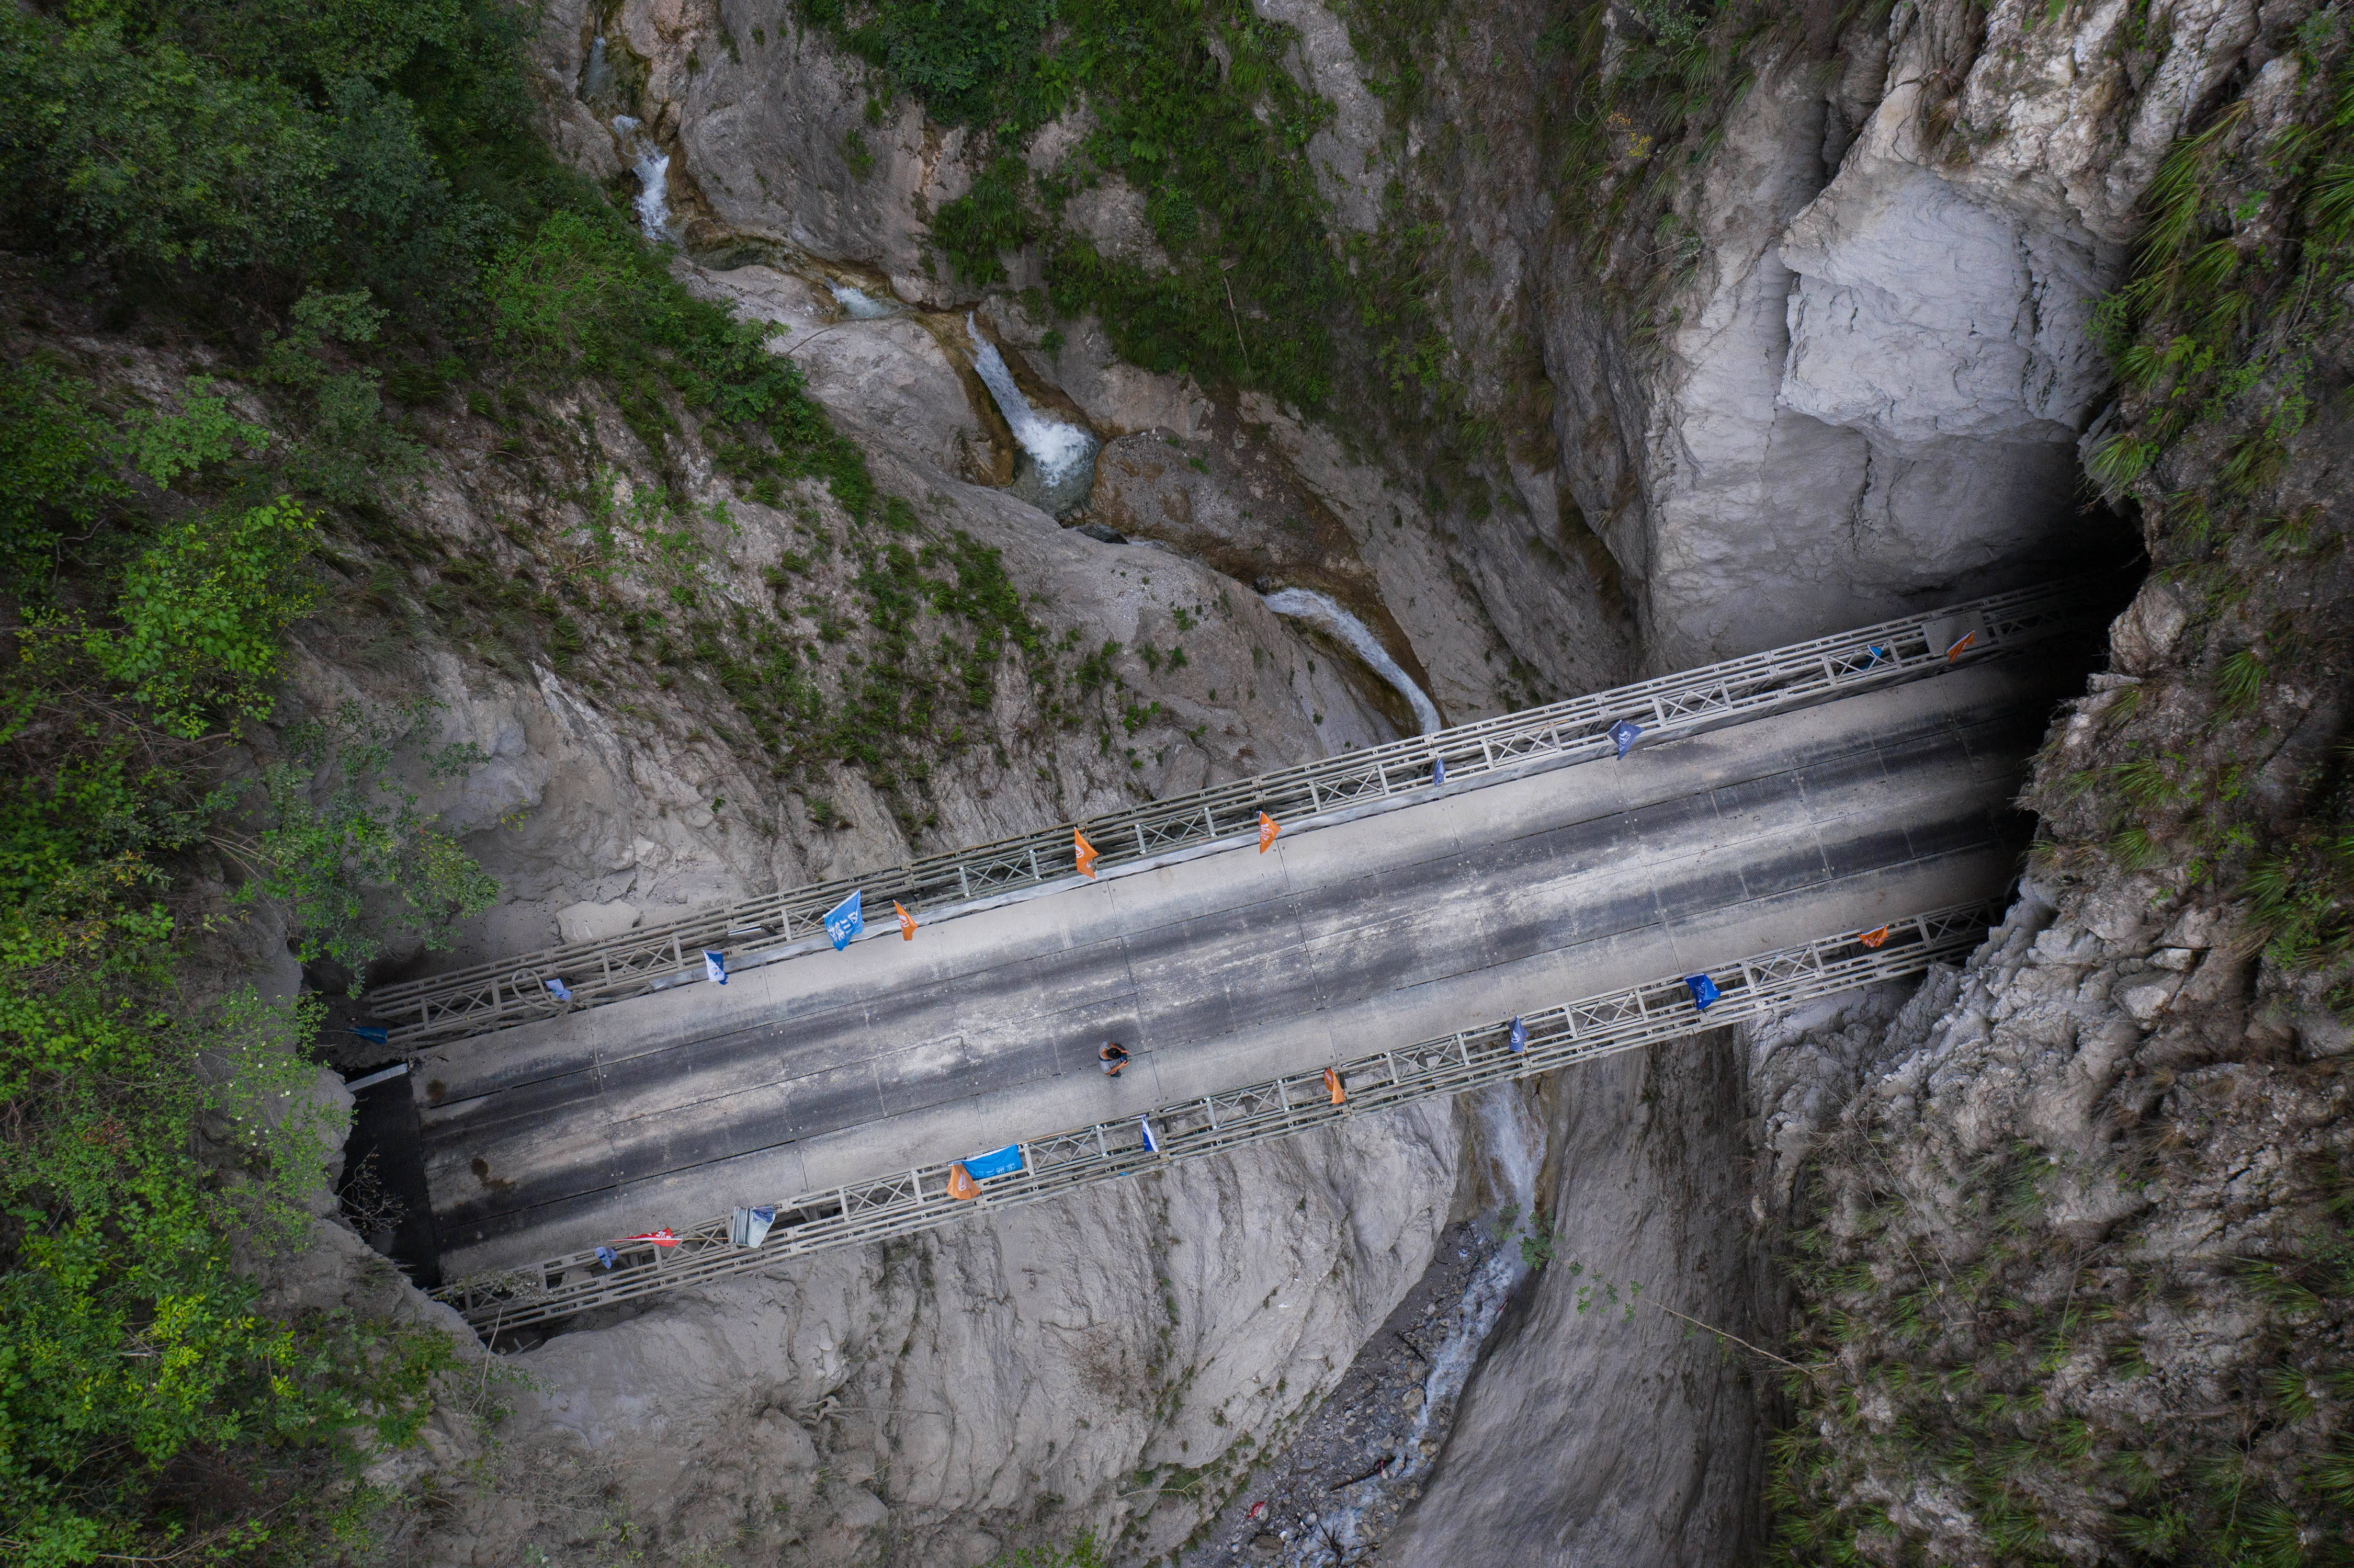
pixel 486 996
pixel 1751 989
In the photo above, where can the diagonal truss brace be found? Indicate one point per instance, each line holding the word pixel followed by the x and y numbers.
pixel 486 996
pixel 1751 990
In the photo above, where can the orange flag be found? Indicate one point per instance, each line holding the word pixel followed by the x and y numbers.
pixel 1332 1087
pixel 960 1182
pixel 1954 653
pixel 907 922
pixel 1268 828
pixel 1087 854
pixel 1872 938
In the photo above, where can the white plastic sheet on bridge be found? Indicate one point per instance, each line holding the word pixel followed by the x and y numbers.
pixel 749 1227
pixel 845 920
pixel 714 966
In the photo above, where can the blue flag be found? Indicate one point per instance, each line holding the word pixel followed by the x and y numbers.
pixel 605 1257
pixel 558 990
pixel 1704 991
pixel 844 921
pixel 1519 1042
pixel 1002 1161
pixel 1152 1144
pixel 1624 734
pixel 373 1036
pixel 715 965
pixel 1437 771
pixel 1877 652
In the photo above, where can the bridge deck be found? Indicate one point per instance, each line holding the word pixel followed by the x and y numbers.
pixel 485 996
pixel 831 1067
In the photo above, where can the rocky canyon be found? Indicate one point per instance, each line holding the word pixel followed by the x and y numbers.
pixel 728 445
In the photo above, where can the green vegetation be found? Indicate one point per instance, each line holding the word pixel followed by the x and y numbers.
pixel 1082 1552
pixel 1970 1355
pixel 2229 343
pixel 1629 139
pixel 154 1115
pixel 1998 1389
pixel 973 63
pixel 346 205
pixel 1194 108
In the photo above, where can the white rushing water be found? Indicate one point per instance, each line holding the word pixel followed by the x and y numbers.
pixel 1061 457
pixel 596 80
pixel 858 305
pixel 652 165
pixel 1319 610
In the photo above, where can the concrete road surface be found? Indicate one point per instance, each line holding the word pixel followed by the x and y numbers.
pixel 1224 969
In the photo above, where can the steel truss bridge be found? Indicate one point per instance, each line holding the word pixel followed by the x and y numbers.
pixel 1751 990
pixel 486 996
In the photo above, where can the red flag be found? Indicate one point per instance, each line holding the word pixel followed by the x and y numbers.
pixel 1332 1087
pixel 660 1238
pixel 960 1182
pixel 1268 828
pixel 1087 854
pixel 1872 938
pixel 907 922
pixel 1967 638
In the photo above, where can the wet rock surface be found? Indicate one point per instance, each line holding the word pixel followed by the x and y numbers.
pixel 1862 388
pixel 1346 1456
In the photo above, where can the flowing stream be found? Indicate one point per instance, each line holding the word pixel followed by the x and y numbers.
pixel 859 305
pixel 1512 1137
pixel 652 165
pixel 597 76
pixel 1319 610
pixel 1060 460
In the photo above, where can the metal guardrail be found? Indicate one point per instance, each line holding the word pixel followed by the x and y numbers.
pixel 496 995
pixel 912 1200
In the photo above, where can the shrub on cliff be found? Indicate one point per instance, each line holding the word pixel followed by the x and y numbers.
pixel 154 1111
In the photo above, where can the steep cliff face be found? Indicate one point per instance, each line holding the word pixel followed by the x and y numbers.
pixel 1113 1362
pixel 785 138
pixel 1747 326
pixel 1600 1428
pixel 687 689
pixel 1811 292
pixel 2072 1274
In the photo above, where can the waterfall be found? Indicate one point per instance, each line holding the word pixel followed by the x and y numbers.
pixel 1062 458
pixel 596 80
pixel 858 305
pixel 652 165
pixel 1319 610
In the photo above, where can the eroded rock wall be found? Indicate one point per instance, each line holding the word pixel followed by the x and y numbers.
pixel 1113 1361
pixel 1864 382
pixel 633 783
pixel 1600 1428
pixel 1861 387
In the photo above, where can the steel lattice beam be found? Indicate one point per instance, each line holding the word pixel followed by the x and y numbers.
pixel 486 996
pixel 905 1203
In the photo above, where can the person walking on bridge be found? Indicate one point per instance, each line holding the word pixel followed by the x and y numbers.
pixel 1114 1057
